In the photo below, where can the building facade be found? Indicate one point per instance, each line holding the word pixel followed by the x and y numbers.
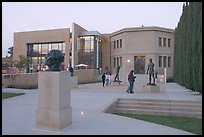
pixel 130 48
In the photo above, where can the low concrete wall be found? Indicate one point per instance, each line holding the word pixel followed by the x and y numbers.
pixel 86 75
pixel 29 79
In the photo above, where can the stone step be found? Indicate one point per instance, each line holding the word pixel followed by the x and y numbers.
pixel 161 104
pixel 160 101
pixel 178 108
pixel 158 107
pixel 158 112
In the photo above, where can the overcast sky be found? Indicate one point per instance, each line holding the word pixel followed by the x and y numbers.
pixel 105 17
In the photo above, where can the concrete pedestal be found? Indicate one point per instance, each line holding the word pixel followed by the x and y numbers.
pixel 54 100
pixel 153 89
pixel 119 84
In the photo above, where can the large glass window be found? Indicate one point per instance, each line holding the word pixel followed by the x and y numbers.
pixel 36 53
pixel 45 48
pixel 90 51
pixel 55 46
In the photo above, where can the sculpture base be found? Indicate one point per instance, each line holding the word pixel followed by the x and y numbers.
pixel 54 110
pixel 119 83
pixel 54 119
pixel 151 88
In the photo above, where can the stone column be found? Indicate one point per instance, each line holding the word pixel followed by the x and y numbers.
pixel 54 110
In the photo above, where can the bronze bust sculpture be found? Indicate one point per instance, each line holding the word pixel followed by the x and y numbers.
pixel 53 60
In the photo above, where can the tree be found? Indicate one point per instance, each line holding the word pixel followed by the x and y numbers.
pixel 188 47
pixel 22 63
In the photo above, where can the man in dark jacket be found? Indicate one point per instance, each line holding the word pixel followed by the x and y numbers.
pixel 131 80
pixel 103 79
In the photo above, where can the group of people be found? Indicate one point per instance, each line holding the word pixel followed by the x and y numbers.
pixel 107 79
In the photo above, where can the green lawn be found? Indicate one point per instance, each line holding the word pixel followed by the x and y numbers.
pixel 8 95
pixel 189 124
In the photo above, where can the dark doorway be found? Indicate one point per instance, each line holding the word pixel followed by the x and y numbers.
pixel 139 64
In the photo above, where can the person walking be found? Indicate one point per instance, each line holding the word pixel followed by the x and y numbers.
pixel 103 79
pixel 107 79
pixel 131 80
pixel 110 79
pixel 71 70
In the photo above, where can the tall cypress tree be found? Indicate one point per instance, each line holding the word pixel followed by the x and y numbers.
pixel 188 47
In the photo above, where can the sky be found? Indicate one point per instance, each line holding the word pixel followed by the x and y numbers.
pixel 105 17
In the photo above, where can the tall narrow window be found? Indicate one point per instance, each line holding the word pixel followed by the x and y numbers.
pixel 114 44
pixel 160 61
pixel 117 61
pixel 120 61
pixel 164 42
pixel 160 41
pixel 164 61
pixel 120 43
pixel 169 61
pixel 114 63
pixel 117 44
pixel 169 42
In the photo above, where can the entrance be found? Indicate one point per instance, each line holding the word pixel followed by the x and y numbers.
pixel 139 64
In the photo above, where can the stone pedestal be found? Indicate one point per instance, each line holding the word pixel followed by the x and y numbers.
pixel 151 88
pixel 119 83
pixel 54 110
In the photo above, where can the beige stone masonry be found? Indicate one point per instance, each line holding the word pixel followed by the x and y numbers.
pixel 54 100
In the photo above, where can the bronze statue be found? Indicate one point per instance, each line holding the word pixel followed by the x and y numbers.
pixel 53 60
pixel 150 71
pixel 117 74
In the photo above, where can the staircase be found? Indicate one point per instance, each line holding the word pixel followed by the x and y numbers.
pixel 157 107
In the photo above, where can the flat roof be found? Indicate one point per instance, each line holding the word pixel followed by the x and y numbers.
pixel 143 28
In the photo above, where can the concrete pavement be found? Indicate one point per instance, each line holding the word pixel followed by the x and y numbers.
pixel 19 113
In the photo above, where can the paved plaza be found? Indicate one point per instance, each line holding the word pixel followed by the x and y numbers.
pixel 19 113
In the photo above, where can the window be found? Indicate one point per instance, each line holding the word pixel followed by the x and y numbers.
pixel 55 46
pixel 114 63
pixel 120 61
pixel 164 40
pixel 160 61
pixel 44 48
pixel 114 44
pixel 169 61
pixel 160 41
pixel 139 64
pixel 169 42
pixel 164 61
pixel 117 44
pixel 120 43
pixel 117 61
